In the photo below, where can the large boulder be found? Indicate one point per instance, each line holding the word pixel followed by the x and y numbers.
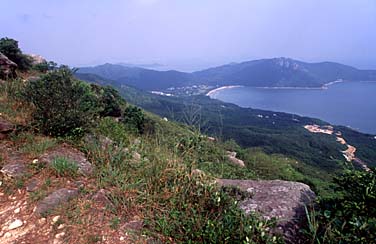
pixel 283 200
pixel 7 67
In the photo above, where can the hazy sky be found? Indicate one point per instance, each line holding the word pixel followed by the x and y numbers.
pixel 192 34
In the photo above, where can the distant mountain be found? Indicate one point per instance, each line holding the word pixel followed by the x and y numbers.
pixel 141 78
pixel 282 72
pixel 276 72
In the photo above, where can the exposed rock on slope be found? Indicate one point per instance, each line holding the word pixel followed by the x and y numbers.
pixel 232 157
pixel 5 128
pixel 65 151
pixel 7 67
pixel 283 200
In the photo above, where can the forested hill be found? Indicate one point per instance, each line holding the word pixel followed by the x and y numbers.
pixel 319 155
pixel 276 72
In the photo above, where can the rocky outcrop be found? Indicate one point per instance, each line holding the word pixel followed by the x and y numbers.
pixel 5 128
pixel 55 199
pixel 283 200
pixel 70 153
pixel 7 67
pixel 14 170
pixel 36 59
pixel 232 157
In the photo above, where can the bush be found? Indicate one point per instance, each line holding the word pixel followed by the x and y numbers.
pixel 350 217
pixel 9 47
pixel 63 105
pixel 110 101
pixel 134 119
pixel 45 66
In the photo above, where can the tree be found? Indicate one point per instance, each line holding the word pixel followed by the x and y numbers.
pixel 9 47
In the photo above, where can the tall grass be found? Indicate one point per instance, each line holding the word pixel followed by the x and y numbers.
pixel 176 204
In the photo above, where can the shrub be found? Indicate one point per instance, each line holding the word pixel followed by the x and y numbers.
pixel 45 66
pixel 63 105
pixel 110 101
pixel 351 216
pixel 134 119
pixel 9 47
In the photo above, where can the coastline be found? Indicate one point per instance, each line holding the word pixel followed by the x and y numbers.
pixel 212 92
pixel 323 87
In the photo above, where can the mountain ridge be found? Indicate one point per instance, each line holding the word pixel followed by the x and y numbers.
pixel 274 72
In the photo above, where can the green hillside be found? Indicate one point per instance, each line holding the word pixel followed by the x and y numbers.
pixel 82 157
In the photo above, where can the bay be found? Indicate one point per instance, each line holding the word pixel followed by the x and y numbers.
pixel 350 104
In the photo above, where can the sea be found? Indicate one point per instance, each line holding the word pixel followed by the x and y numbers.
pixel 351 104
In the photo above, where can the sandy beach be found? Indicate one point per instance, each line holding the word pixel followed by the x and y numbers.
pixel 212 92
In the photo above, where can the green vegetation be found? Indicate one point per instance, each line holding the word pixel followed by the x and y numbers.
pixel 149 166
pixel 62 104
pixel 45 66
pixel 351 216
pixel 178 205
pixel 134 119
pixel 9 47
pixel 160 185
pixel 63 167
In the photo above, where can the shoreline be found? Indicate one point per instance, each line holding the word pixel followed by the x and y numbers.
pixel 212 92
pixel 323 87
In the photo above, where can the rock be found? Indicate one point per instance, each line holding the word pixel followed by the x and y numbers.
pixel 198 172
pixel 42 221
pixel 72 154
pixel 14 170
pixel 283 200
pixel 55 219
pixel 135 225
pixel 136 156
pixel 211 138
pixel 5 128
pixel 15 224
pixel 55 199
pixel 17 210
pixel 103 141
pixel 60 235
pixel 232 157
pixel 37 59
pixel 32 185
pixel 101 197
pixel 7 67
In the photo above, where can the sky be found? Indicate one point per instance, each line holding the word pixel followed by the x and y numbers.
pixel 192 34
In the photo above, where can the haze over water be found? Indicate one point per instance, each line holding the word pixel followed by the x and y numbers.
pixel 350 103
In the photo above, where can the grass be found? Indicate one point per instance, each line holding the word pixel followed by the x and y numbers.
pixel 36 146
pixel 176 205
pixel 63 167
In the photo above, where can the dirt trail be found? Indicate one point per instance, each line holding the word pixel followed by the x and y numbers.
pixel 349 153
pixel 81 220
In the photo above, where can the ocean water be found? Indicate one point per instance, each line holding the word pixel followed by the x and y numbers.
pixel 350 104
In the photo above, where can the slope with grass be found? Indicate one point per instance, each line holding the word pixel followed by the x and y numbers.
pixel 116 173
pixel 142 187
